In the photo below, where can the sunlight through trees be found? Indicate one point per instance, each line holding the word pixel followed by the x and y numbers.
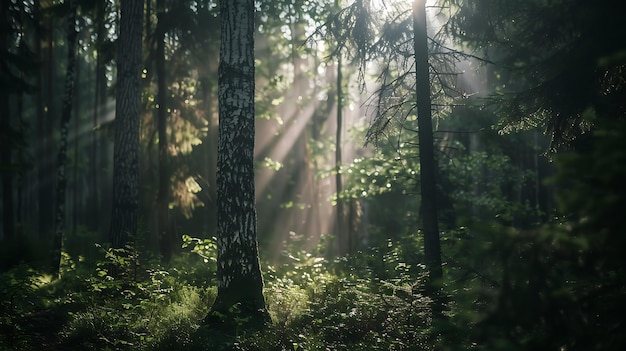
pixel 312 175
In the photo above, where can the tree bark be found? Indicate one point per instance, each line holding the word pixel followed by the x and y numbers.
pixel 61 186
pixel 127 110
pixel 432 247
pixel 240 284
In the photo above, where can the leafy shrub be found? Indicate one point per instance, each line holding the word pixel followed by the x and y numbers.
pixel 22 307
pixel 138 307
pixel 339 305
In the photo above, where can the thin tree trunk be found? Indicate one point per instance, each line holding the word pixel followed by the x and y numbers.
pixel 340 226
pixel 61 187
pixel 21 161
pixel 21 157
pixel 76 185
pixel 432 247
pixel 45 120
pixel 166 240
pixel 40 105
pixel 341 232
pixel 127 110
pixel 240 285
pixel 99 102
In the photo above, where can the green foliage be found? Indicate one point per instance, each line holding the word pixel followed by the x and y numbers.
pixel 368 177
pixel 123 302
pixel 370 301
pixel 137 307
pixel 483 185
pixel 21 307
pixel 205 248
pixel 546 56
pixel 322 305
pixel 557 286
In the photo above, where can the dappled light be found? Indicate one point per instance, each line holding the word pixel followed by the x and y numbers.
pixel 312 175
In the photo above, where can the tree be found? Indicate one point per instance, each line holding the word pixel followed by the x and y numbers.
pixel 61 186
pixel 428 183
pixel 240 285
pixel 340 226
pixel 392 45
pixel 97 161
pixel 559 65
pixel 127 109
pixel 166 239
pixel 46 115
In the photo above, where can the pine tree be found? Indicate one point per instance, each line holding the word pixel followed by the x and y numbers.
pixel 127 109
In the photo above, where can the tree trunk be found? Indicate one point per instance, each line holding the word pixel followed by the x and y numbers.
pixel 6 169
pixel 341 234
pixel 240 285
pixel 432 247
pixel 61 186
pixel 96 165
pixel 127 110
pixel 166 239
pixel 45 118
pixel 77 210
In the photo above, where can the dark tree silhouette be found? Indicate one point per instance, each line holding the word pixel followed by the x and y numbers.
pixel 428 182
pixel 559 64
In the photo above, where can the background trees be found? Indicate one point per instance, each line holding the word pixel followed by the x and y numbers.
pixel 529 221
pixel 553 67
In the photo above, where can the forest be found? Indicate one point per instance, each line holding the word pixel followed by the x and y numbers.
pixel 312 175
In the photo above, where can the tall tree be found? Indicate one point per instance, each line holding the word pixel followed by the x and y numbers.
pixel 163 193
pixel 127 110
pixel 61 186
pixel 96 159
pixel 393 46
pixel 240 284
pixel 341 232
pixel 428 182
pixel 45 115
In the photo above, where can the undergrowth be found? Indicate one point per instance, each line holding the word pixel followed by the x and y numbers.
pixel 369 301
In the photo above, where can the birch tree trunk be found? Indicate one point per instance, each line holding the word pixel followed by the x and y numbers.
pixel 240 285
pixel 127 109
